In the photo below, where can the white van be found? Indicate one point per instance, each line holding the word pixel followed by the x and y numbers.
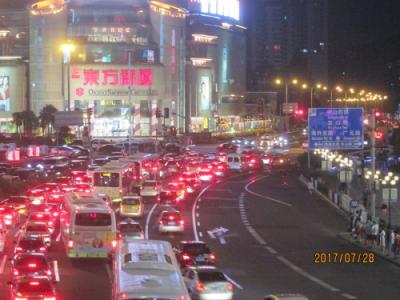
pixel 147 269
pixel 237 162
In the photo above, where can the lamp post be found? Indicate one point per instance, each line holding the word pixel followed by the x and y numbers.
pixel 286 83
pixel 389 193
pixel 130 101
pixel 67 49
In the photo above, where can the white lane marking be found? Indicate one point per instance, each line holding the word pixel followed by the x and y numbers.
pixel 56 271
pixel 307 275
pixel 146 232
pixel 288 263
pixel 233 282
pixel 348 296
pixel 108 269
pixel 249 228
pixel 263 196
pixel 196 236
pixel 58 238
pixel 3 264
pixel 271 250
pixel 200 234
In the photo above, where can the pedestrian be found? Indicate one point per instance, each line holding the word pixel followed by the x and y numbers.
pixel 392 242
pixel 382 241
pixel 310 186
pixel 374 233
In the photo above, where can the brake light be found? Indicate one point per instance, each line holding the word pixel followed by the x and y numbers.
pixel 50 223
pixel 114 243
pixel 42 249
pixel 16 273
pixel 171 217
pixel 34 283
pixel 55 214
pixel 70 244
pixel 8 216
pixel 185 257
pixel 48 272
pixel 49 298
pixel 180 178
pixel 124 295
pixel 230 286
pixel 18 249
pixel 181 222
pixel 200 287
pixel 32 266
pixel 211 256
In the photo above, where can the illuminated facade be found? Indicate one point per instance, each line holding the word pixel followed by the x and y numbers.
pixel 216 62
pixel 124 57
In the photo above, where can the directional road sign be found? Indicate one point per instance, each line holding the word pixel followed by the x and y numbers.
pixel 335 128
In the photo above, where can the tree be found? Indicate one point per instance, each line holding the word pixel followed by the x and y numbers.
pixel 46 118
pixel 29 121
pixel 17 120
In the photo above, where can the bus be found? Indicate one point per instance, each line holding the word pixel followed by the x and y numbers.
pixel 88 226
pixel 113 179
pixel 143 165
pixel 147 269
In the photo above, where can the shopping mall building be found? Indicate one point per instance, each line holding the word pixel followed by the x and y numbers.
pixel 125 60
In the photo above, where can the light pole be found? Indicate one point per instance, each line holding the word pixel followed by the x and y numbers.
pixel 389 193
pixel 67 49
pixel 280 82
pixel 130 102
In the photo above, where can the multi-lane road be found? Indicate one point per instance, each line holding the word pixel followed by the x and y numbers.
pixel 265 236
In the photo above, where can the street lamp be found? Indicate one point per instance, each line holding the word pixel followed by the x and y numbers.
pixel 67 49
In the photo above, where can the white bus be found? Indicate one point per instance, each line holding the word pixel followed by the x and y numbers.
pixel 113 179
pixel 143 165
pixel 146 269
pixel 88 226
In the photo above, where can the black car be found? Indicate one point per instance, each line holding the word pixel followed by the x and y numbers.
pixel 192 253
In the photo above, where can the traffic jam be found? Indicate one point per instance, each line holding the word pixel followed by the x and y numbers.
pixel 94 204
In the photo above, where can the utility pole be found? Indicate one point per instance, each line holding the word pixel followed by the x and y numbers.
pixel 373 167
pixel 130 101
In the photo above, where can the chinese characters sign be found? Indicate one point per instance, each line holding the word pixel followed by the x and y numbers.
pixel 335 128
pixel 93 82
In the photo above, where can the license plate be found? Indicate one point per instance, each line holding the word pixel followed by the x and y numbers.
pixel 200 258
pixel 171 223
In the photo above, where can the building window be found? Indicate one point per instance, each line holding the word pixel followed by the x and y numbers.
pixel 144 108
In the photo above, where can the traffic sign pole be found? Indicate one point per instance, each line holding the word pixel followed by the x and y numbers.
pixel 373 166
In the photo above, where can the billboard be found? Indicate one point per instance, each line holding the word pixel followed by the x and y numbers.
pixel 4 93
pixel 205 93
pixel 225 8
pixel 335 128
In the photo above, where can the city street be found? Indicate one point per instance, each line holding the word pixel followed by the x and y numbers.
pixel 265 237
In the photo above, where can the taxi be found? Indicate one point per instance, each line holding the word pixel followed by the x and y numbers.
pixel 131 206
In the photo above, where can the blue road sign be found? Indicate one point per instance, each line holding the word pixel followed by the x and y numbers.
pixel 335 128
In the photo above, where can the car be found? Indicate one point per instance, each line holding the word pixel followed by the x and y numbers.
pixel 131 206
pixel 285 297
pixel 167 199
pixel 191 253
pixel 237 162
pixel 38 288
pixel 30 244
pixel 227 147
pixel 130 229
pixel 10 215
pixel 109 149
pixel 207 283
pixel 220 169
pixel 206 175
pixel 173 166
pixel 192 182
pixel 31 264
pixel 179 188
pixel 150 188
pixel 37 229
pixel 101 161
pixel 171 221
pixel 43 216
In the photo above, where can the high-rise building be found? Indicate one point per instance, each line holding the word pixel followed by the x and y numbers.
pixel 287 36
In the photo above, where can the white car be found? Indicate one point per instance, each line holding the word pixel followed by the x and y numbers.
pixel 171 221
pixel 150 188
pixel 207 283
pixel 129 229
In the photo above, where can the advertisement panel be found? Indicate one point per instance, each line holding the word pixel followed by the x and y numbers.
pixel 4 93
pixel 225 8
pixel 205 93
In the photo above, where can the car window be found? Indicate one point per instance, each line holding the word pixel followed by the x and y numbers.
pixel 230 159
pixel 131 201
pixel 236 159
pixel 211 276
pixel 41 287
pixel 191 275
pixel 36 227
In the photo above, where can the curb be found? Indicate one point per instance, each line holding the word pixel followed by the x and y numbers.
pixel 304 181
pixel 347 238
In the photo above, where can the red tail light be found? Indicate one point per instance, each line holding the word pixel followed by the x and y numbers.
pixel 50 223
pixel 230 286
pixel 70 244
pixel 161 222
pixel 48 272
pixel 124 295
pixel 42 249
pixel 181 222
pixel 185 257
pixel 171 217
pixel 16 273
pixel 200 287
pixel 55 214
pixel 18 249
pixel 211 257
pixel 8 217
pixel 32 266
pixel 114 243
pixel 34 283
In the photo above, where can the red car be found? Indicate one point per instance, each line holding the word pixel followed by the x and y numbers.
pixel 31 264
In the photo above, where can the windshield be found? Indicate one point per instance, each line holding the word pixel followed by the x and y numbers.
pixel 31 244
pixel 29 261
pixel 131 201
pixel 106 179
pixel 93 219
pixel 196 248
pixel 211 276
pixel 149 184
pixel 130 228
pixel 37 228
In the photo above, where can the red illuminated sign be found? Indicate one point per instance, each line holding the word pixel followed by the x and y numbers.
pixel 113 77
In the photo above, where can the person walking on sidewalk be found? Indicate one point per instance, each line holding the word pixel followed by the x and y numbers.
pixel 392 241
pixel 374 233
pixel 382 241
pixel 310 186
